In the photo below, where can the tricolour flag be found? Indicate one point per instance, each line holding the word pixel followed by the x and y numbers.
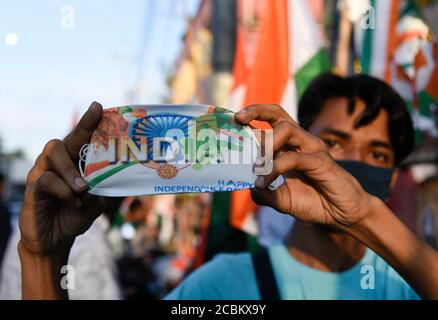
pixel 398 48
pixel 276 58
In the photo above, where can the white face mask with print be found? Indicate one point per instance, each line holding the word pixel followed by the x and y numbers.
pixel 159 149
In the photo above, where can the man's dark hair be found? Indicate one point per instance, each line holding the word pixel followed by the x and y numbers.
pixel 375 93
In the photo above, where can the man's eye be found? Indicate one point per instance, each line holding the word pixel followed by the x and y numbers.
pixel 380 156
pixel 331 143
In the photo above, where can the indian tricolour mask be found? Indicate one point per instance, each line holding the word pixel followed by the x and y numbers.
pixel 159 149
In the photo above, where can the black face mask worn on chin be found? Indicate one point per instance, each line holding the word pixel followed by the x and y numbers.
pixel 374 180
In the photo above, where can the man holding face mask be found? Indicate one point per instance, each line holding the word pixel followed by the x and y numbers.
pixel 338 167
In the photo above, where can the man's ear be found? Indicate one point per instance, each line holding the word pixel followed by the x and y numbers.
pixel 394 178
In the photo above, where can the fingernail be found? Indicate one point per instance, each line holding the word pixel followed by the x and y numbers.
pixel 94 105
pixel 81 183
pixel 242 111
pixel 260 182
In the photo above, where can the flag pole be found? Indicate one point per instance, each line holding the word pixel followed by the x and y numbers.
pixel 343 48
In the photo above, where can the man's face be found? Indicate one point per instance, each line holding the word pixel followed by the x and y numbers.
pixel 369 143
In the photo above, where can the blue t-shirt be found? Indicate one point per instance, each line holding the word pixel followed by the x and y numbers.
pixel 232 276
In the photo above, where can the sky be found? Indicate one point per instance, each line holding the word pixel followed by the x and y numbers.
pixel 56 57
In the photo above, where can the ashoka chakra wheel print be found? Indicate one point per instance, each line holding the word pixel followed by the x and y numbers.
pixel 167 171
pixel 158 125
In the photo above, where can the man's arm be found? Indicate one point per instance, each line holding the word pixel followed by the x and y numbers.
pixel 56 209
pixel 413 259
pixel 41 274
pixel 317 190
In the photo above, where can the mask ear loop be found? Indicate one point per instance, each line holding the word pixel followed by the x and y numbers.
pixel 82 158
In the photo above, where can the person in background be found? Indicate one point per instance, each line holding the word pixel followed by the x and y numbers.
pixel 95 275
pixel 359 124
pixel 5 220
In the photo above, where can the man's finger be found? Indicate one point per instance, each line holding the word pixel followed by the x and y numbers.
pixel 310 164
pixel 282 164
pixel 49 183
pixel 271 113
pixel 287 134
pixel 81 134
pixel 60 162
pixel 261 197
pixel 270 198
pixel 93 206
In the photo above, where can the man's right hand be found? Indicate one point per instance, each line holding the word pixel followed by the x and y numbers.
pixel 56 206
pixel 316 189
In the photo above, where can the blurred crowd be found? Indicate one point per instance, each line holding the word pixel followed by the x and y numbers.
pixel 141 248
